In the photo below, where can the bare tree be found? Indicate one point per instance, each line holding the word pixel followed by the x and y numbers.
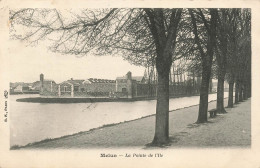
pixel 206 43
pixel 244 70
pixel 232 58
pixel 223 27
pixel 239 59
pixel 134 33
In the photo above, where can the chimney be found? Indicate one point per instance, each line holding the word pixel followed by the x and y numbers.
pixel 129 75
pixel 41 77
pixel 41 83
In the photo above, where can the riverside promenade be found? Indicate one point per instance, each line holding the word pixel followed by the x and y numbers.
pixel 232 129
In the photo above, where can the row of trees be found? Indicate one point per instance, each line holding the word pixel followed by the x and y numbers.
pixel 221 55
pixel 209 40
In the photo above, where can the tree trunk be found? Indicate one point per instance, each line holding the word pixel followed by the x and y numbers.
pixel 206 58
pixel 249 88
pixel 149 83
pixel 204 90
pixel 210 85
pixel 178 77
pixel 173 74
pixel 240 98
pixel 245 92
pixel 170 77
pixel 162 110
pixel 236 93
pixel 230 94
pixel 193 83
pixel 220 92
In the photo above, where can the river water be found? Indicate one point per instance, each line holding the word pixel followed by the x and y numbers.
pixel 31 122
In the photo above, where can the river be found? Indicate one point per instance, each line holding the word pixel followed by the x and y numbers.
pixel 31 122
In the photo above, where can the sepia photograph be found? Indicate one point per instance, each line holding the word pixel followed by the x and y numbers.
pixel 112 79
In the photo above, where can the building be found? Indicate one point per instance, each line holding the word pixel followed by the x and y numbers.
pixel 127 86
pixel 134 86
pixel 124 86
pixel 20 87
pixel 48 87
pixel 99 85
pixel 121 87
pixel 36 86
pixel 86 88
pixel 91 87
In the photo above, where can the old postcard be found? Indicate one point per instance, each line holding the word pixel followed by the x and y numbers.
pixel 129 83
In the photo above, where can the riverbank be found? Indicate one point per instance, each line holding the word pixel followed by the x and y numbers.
pixel 24 92
pixel 90 99
pixel 226 130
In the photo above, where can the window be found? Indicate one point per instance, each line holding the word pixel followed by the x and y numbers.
pixel 76 88
pixel 65 89
pixel 123 89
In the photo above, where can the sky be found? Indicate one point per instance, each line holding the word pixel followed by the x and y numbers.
pixel 26 63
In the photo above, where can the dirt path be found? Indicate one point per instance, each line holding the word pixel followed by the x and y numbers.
pixel 227 130
pixel 232 129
